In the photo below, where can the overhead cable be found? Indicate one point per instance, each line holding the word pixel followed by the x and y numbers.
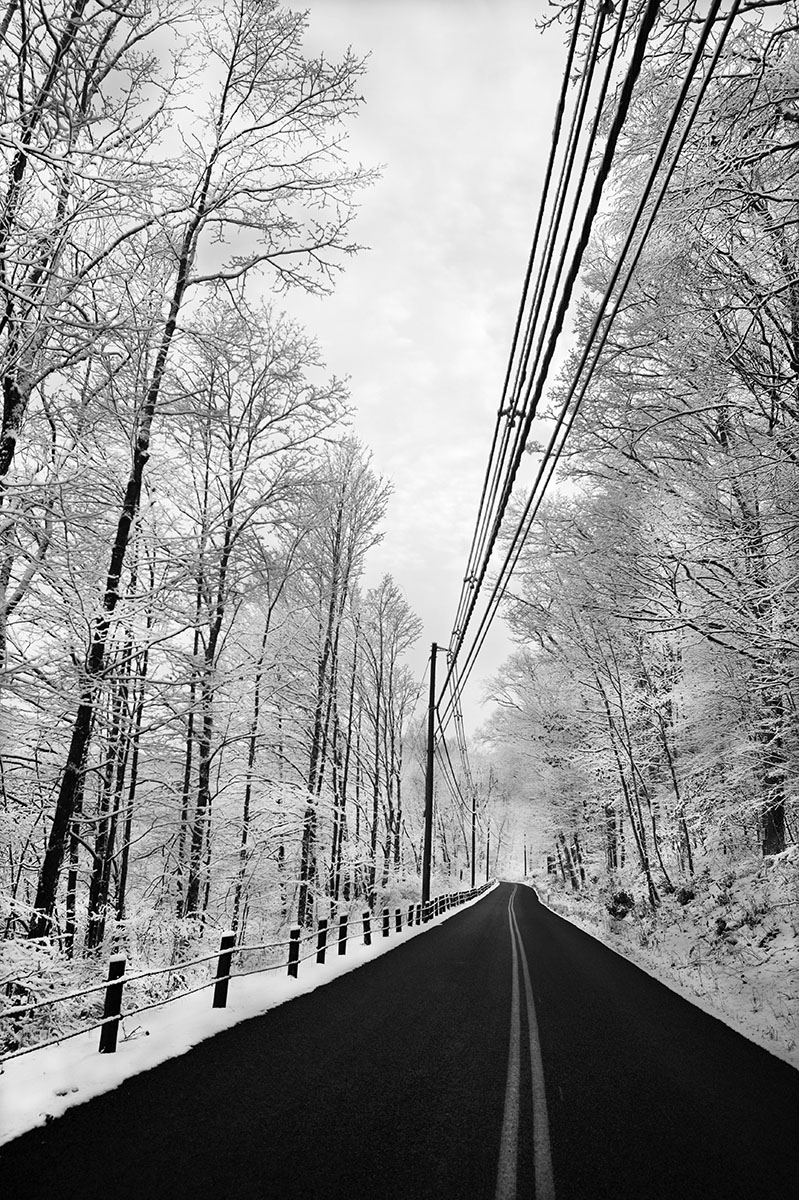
pixel 536 383
pixel 501 412
pixel 584 372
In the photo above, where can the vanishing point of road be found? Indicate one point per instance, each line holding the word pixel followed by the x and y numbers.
pixel 501 1054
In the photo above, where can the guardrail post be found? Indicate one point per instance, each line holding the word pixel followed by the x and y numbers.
pixel 385 922
pixel 321 941
pixel 367 928
pixel 342 934
pixel 398 919
pixel 226 944
pixel 410 915
pixel 113 1005
pixel 294 951
pixel 418 914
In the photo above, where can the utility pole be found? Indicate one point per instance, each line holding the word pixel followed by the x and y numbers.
pixel 474 833
pixel 488 850
pixel 428 784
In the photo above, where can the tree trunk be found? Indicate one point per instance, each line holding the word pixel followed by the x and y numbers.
pixel 199 831
pixel 308 864
pixel 50 872
pixel 569 861
pixel 134 771
pixel 772 824
pixel 638 832
pixel 251 753
pixel 71 922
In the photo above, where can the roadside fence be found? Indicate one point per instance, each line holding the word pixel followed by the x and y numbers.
pixel 325 937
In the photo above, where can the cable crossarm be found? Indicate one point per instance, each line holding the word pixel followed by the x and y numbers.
pixel 603 319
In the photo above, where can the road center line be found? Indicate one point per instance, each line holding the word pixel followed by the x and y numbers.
pixel 542 1154
pixel 509 1142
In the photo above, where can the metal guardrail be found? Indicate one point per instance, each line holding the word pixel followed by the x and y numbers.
pixel 117 978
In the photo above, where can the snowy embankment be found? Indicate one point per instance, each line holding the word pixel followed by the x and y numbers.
pixel 41 1085
pixel 728 944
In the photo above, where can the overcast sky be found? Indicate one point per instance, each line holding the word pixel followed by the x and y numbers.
pixel 459 104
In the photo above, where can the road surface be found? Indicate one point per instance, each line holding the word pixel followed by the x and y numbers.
pixel 502 1054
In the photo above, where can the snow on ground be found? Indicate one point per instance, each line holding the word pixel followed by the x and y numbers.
pixel 730 947
pixel 43 1084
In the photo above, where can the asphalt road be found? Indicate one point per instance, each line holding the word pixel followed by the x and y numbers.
pixel 428 1073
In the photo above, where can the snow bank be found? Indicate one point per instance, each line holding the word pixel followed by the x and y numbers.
pixel 730 947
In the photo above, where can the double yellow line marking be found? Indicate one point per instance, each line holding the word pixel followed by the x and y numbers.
pixel 507 1171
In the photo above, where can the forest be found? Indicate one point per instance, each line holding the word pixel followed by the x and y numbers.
pixel 206 716
pixel 208 720
pixel 652 697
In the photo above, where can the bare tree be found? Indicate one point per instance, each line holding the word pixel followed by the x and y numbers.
pixel 262 162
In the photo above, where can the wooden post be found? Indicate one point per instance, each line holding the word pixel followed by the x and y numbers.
pixel 294 951
pixel 398 919
pixel 427 843
pixel 418 914
pixel 367 928
pixel 342 934
pixel 385 922
pixel 321 941
pixel 223 963
pixel 410 915
pixel 113 1005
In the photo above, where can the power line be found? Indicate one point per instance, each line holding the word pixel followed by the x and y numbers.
pixel 555 448
pixel 535 386
pixel 501 412
pixel 448 771
pixel 526 410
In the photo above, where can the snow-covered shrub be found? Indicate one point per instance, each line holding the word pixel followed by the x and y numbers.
pixel 33 971
pixel 620 904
